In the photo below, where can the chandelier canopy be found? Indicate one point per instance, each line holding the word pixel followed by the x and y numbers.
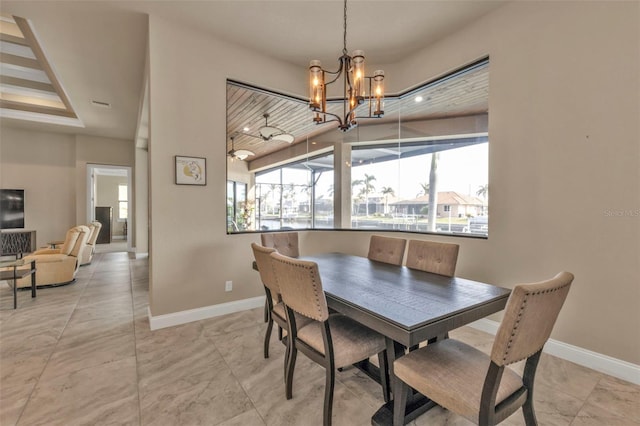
pixel 355 87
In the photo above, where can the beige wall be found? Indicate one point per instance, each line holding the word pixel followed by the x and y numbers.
pixel 191 255
pixel 141 202
pixel 43 165
pixel 564 134
pixel 51 167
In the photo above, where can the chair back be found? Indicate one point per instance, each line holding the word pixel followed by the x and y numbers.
pixel 81 241
pixel 70 240
pixel 285 242
pixel 263 261
pixel 530 315
pixel 300 286
pixel 95 228
pixel 430 256
pixel 386 249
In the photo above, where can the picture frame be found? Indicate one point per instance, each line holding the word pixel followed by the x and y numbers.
pixel 190 170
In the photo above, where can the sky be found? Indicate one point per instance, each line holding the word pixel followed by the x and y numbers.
pixel 462 170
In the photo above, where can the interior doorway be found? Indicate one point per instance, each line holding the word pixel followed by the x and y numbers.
pixel 109 200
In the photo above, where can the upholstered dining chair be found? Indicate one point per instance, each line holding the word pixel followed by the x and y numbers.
pixel 478 386
pixel 331 340
pixel 431 256
pixel 263 261
pixel 386 249
pixel 285 242
pixel 275 307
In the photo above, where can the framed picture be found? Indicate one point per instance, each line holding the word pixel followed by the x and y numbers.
pixel 191 170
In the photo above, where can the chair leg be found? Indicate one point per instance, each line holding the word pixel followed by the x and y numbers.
pixel 266 310
pixel 280 333
pixel 286 362
pixel 400 393
pixel 528 378
pixel 529 413
pixel 328 396
pixel 267 338
pixel 293 353
pixel 384 375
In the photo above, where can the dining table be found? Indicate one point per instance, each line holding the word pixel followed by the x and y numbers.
pixel 406 306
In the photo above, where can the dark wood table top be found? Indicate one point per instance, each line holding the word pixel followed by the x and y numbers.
pixel 406 305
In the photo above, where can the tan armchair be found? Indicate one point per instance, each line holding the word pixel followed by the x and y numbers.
pixel 90 249
pixel 58 266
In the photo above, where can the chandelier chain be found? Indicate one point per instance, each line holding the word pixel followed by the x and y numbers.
pixel 344 49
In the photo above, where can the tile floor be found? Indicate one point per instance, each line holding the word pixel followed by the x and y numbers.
pixel 83 354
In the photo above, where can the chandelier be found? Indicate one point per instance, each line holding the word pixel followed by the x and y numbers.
pixel 355 86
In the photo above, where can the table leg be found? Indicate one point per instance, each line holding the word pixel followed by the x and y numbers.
pixel 15 289
pixel 33 278
pixel 416 404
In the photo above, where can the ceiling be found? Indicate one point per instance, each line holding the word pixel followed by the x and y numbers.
pixel 461 93
pixel 97 48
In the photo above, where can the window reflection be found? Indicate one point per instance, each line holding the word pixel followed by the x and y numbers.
pixel 423 168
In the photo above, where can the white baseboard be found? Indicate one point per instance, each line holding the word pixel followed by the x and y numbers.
pixel 605 364
pixel 183 317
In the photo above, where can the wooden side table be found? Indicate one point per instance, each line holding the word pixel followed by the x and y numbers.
pixel 16 274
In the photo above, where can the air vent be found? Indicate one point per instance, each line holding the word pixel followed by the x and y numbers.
pixel 101 104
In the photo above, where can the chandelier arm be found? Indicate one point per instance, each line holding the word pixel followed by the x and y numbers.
pixel 253 136
pixel 337 117
pixel 338 73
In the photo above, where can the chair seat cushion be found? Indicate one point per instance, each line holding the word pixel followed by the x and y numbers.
pixel 280 317
pixel 352 341
pixel 452 374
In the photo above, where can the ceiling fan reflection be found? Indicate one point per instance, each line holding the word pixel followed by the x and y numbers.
pixel 270 133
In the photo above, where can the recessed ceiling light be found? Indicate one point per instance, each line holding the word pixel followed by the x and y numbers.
pixel 246 129
pixel 101 104
pixel 419 98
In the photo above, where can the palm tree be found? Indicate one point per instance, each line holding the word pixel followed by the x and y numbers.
pixel 424 189
pixel 368 188
pixel 386 191
pixel 433 194
pixel 483 191
pixel 354 184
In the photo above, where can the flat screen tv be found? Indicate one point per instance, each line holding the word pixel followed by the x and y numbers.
pixel 11 208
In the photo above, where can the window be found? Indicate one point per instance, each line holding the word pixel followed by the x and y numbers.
pixel 391 184
pixel 422 168
pixel 239 211
pixel 284 199
pixel 123 202
pixel 296 196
